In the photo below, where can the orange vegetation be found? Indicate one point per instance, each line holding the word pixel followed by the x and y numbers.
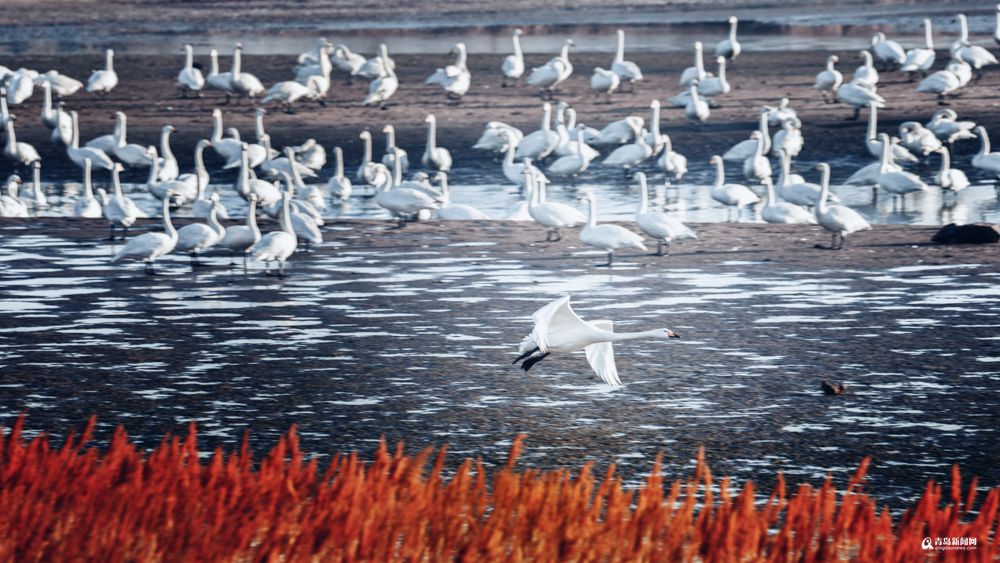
pixel 76 503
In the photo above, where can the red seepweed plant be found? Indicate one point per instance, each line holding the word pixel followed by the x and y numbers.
pixel 77 503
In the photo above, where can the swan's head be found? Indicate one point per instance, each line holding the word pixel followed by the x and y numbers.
pixel 834 59
pixel 118 167
pixel 151 151
pixel 14 179
pixel 823 167
pixel 518 31
pixel 756 135
pixel 365 135
pixel 884 137
pixel 733 20
pixel 665 333
pixel 168 129
pixel 430 118
pixel 251 197
pixel 570 43
pixel 214 197
pixel 697 46
pixel 715 159
pixel 388 129
pixel 204 143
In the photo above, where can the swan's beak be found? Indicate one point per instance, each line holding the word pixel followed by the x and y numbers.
pixel 672 334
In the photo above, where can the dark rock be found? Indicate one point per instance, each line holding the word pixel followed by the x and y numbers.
pixel 975 233
pixel 833 388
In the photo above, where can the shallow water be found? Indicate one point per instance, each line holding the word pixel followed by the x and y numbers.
pixel 414 342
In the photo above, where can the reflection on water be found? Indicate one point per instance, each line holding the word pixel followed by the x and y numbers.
pixel 415 343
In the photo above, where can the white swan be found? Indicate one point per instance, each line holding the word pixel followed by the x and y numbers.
pixel 382 88
pixel 568 144
pixel 619 132
pixel 715 85
pixel 656 224
pixel 672 162
pixel 287 92
pixel 347 61
pixel 776 115
pixel 53 119
pixel 61 84
pixel 227 148
pixel 129 154
pixel 655 138
pixel 874 144
pixel 805 194
pixel 273 167
pixel 838 219
pixel 757 167
pixel 960 69
pixel 196 238
pixel 985 160
pixel 696 108
pixel 604 82
pixel 34 196
pixel 859 94
pixel 789 138
pixel 243 83
pixel 379 65
pixel 782 212
pixel 921 60
pixel 866 72
pixel 513 171
pixel 730 47
pixel 941 83
pixel 549 214
pixel 730 195
pixel 541 143
pixel 310 154
pixel 888 52
pixel 10 204
pixel 947 177
pixel 63 133
pixel 945 124
pixel 558 330
pixel 403 202
pixel 277 246
pixel 199 179
pixel 20 87
pixel 339 185
pixel 551 74
pixel 392 151
pixel 918 139
pixel 449 211
pixel 492 140
pixel 513 65
pixel 181 192
pixel 368 170
pixel 829 80
pixel 696 72
pixel 221 81
pixel 435 157
pixel 150 246
pixel 303 216
pixel 240 238
pixel 21 153
pixel 627 71
pixel 190 79
pixel 266 192
pixel 572 164
pixel 607 237
pixel 631 155
pixel 896 182
pixel 104 81
pixel 119 209
pixel 748 147
pixel 86 205
pixel 454 78
pixel 169 170
pixel 975 55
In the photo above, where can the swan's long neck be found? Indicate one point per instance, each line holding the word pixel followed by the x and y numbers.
pixel 830 65
pixel 824 190
pixel 286 215
pixel 517 46
pixel 963 26
pixel 945 161
pixel 109 64
pixel 76 130
pixel 36 180
pixel 928 35
pixel 213 68
pixel 431 135
pixel 216 126
pixel 258 125
pixel 199 168
pixel 770 192
pixel 547 118
pixel 390 138
pixel 883 161
pixel 237 63
pixel 4 111
pixel 168 225
pixel 872 121
pixel 11 137
pixel 88 186
pixel 565 52
pixel 509 158
pixel 338 155
pixel 786 168
pixel 532 189
pixel 644 195
pixel 154 171
pixel 579 145
pixel 121 130
pixel 47 100
pixel 759 149
pixel 732 30
pixel 763 127
pixel 252 217
pixel 243 181
pixel 722 71
pixel 570 118
pixel 619 336
pixel 655 125
pixel 367 157
pixel 296 177
pixel 720 173
pixel 460 58
pixel 397 174
pixel 189 57
pixel 984 142
pixel 698 62
pixel 592 212
pixel 116 182
pixel 165 146
pixel 620 54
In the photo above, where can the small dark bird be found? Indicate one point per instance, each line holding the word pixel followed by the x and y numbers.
pixel 833 388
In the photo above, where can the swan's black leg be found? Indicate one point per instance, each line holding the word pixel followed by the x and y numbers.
pixel 526 354
pixel 532 361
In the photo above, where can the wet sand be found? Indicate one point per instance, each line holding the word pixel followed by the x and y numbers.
pixel 146 93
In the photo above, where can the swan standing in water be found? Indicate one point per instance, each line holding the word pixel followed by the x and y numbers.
pixel 558 330
pixel 949 178
pixel 243 83
pixel 449 211
pixel 119 209
pixel 730 195
pixel 168 162
pixel 35 195
pixel 730 47
pixel 873 141
pixel 21 153
pixel 696 108
pixel 435 157
pixel 104 81
pixel 196 238
pixel 541 143
pixel 240 238
pixel 403 202
pixel 190 79
pixel 918 139
pixel 513 65
pixel 86 205
pixel 673 163
pixel 492 140
pixel 985 160
pixel 627 71
pixel 945 124
pixel 607 237
pixel 55 119
pixel 129 154
pixel 781 212
pixel 800 193
pixel 339 185
pixel 896 182
pixel 150 246
pixel 570 165
pixel 829 80
pixel 392 151
pixel 757 167
pixel 97 157
pixel 277 246
pixel 549 214
pixel 199 180
pixel 656 224
pixel 10 204
pixel 630 156
pixel 838 219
